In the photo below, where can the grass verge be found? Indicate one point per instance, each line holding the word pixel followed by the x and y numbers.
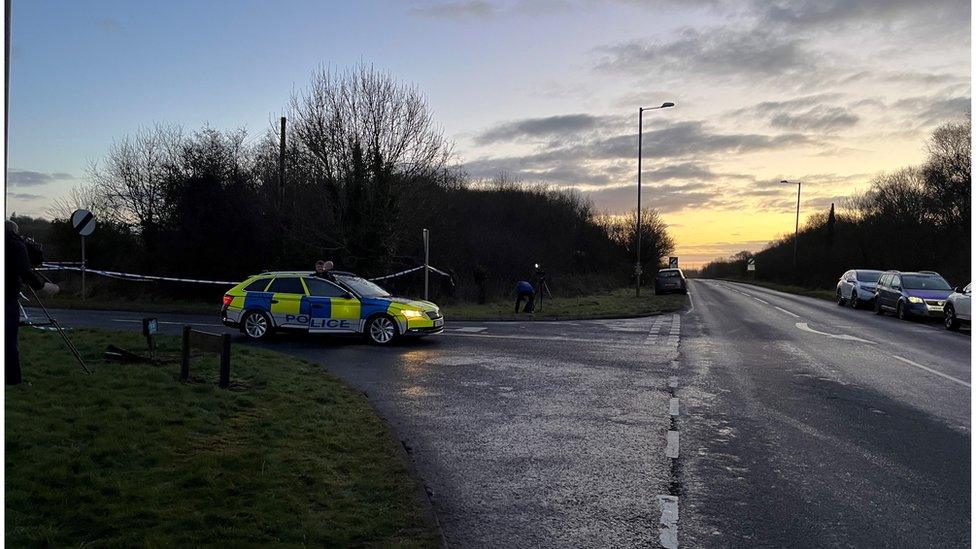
pixel 149 305
pixel 129 456
pixel 829 295
pixel 612 304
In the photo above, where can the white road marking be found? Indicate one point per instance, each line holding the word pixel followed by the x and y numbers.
pixel 787 312
pixel 673 383
pixel 671 450
pixel 139 320
pixel 927 369
pixel 471 329
pixel 803 326
pixel 761 301
pixel 673 406
pixel 668 527
pixel 691 302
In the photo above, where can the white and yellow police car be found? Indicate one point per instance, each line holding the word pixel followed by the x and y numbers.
pixel 346 303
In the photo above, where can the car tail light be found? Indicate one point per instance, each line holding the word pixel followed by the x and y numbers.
pixel 227 300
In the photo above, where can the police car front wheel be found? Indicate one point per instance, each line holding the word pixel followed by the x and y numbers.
pixel 381 330
pixel 256 325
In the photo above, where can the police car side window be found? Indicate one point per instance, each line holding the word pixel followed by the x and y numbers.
pixel 287 285
pixel 321 288
pixel 257 286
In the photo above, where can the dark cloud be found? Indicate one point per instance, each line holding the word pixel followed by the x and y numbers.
pixel 715 51
pixel 664 198
pixel 824 13
pixel 820 118
pixel 459 9
pixel 28 178
pixel 688 139
pixel 687 147
pixel 558 126
pixel 807 113
pixel 24 196
pixel 926 111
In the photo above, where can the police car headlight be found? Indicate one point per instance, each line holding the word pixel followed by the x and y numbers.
pixel 913 299
pixel 410 313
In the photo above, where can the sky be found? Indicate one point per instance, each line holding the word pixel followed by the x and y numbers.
pixel 828 92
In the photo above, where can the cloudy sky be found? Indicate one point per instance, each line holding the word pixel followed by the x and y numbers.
pixel 829 92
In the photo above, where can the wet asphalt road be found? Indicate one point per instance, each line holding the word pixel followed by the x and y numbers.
pixel 552 434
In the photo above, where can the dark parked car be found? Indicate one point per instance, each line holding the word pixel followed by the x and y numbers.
pixel 670 280
pixel 921 294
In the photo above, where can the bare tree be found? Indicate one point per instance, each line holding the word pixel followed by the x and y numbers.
pixel 87 196
pixel 134 174
pixel 365 107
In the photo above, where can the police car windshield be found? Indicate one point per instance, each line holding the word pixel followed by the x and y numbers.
pixel 362 286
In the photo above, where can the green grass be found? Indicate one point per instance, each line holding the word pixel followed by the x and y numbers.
pixel 131 457
pixel 611 304
pixel 829 295
pixel 144 304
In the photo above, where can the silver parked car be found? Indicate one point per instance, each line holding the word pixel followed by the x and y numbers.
pixel 957 308
pixel 857 287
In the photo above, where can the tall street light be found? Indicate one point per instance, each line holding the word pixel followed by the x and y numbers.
pixel 638 270
pixel 796 231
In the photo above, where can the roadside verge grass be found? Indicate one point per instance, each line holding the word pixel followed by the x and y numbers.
pixel 611 304
pixel 131 457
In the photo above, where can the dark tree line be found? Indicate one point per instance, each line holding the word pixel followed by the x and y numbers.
pixel 366 169
pixel 916 218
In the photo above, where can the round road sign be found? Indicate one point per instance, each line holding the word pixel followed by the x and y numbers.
pixel 83 221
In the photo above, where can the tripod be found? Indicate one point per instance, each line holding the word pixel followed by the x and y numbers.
pixel 57 326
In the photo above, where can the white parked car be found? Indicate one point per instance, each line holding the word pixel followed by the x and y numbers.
pixel 957 308
pixel 857 287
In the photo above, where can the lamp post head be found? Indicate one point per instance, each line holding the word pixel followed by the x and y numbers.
pixel 784 181
pixel 666 105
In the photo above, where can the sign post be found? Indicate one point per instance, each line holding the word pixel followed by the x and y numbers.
pixel 83 222
pixel 426 263
pixel 751 264
pixel 672 262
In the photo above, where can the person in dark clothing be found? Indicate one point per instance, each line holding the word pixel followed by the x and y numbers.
pixel 524 290
pixel 323 269
pixel 19 271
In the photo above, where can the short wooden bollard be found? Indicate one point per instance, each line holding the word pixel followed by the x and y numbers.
pixel 207 342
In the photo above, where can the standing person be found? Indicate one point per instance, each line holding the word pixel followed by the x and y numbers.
pixel 323 269
pixel 524 290
pixel 19 271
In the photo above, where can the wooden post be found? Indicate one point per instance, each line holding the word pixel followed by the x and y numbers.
pixel 185 365
pixel 225 361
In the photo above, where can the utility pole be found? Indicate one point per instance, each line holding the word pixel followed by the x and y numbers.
pixel 796 230
pixel 281 164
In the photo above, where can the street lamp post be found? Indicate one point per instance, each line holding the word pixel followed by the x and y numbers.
pixel 638 270
pixel 796 231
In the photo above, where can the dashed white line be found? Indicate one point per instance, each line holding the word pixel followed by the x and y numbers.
pixel 673 406
pixel 794 315
pixel 470 329
pixel 761 301
pixel 671 450
pixel 668 526
pixel 927 369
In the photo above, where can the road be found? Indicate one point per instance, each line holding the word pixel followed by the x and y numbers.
pixel 795 423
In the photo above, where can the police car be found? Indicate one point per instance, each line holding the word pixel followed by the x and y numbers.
pixel 297 300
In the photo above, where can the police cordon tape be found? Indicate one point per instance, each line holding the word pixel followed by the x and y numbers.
pixel 132 277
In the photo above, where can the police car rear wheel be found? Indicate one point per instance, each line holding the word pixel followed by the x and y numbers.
pixel 381 330
pixel 256 325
